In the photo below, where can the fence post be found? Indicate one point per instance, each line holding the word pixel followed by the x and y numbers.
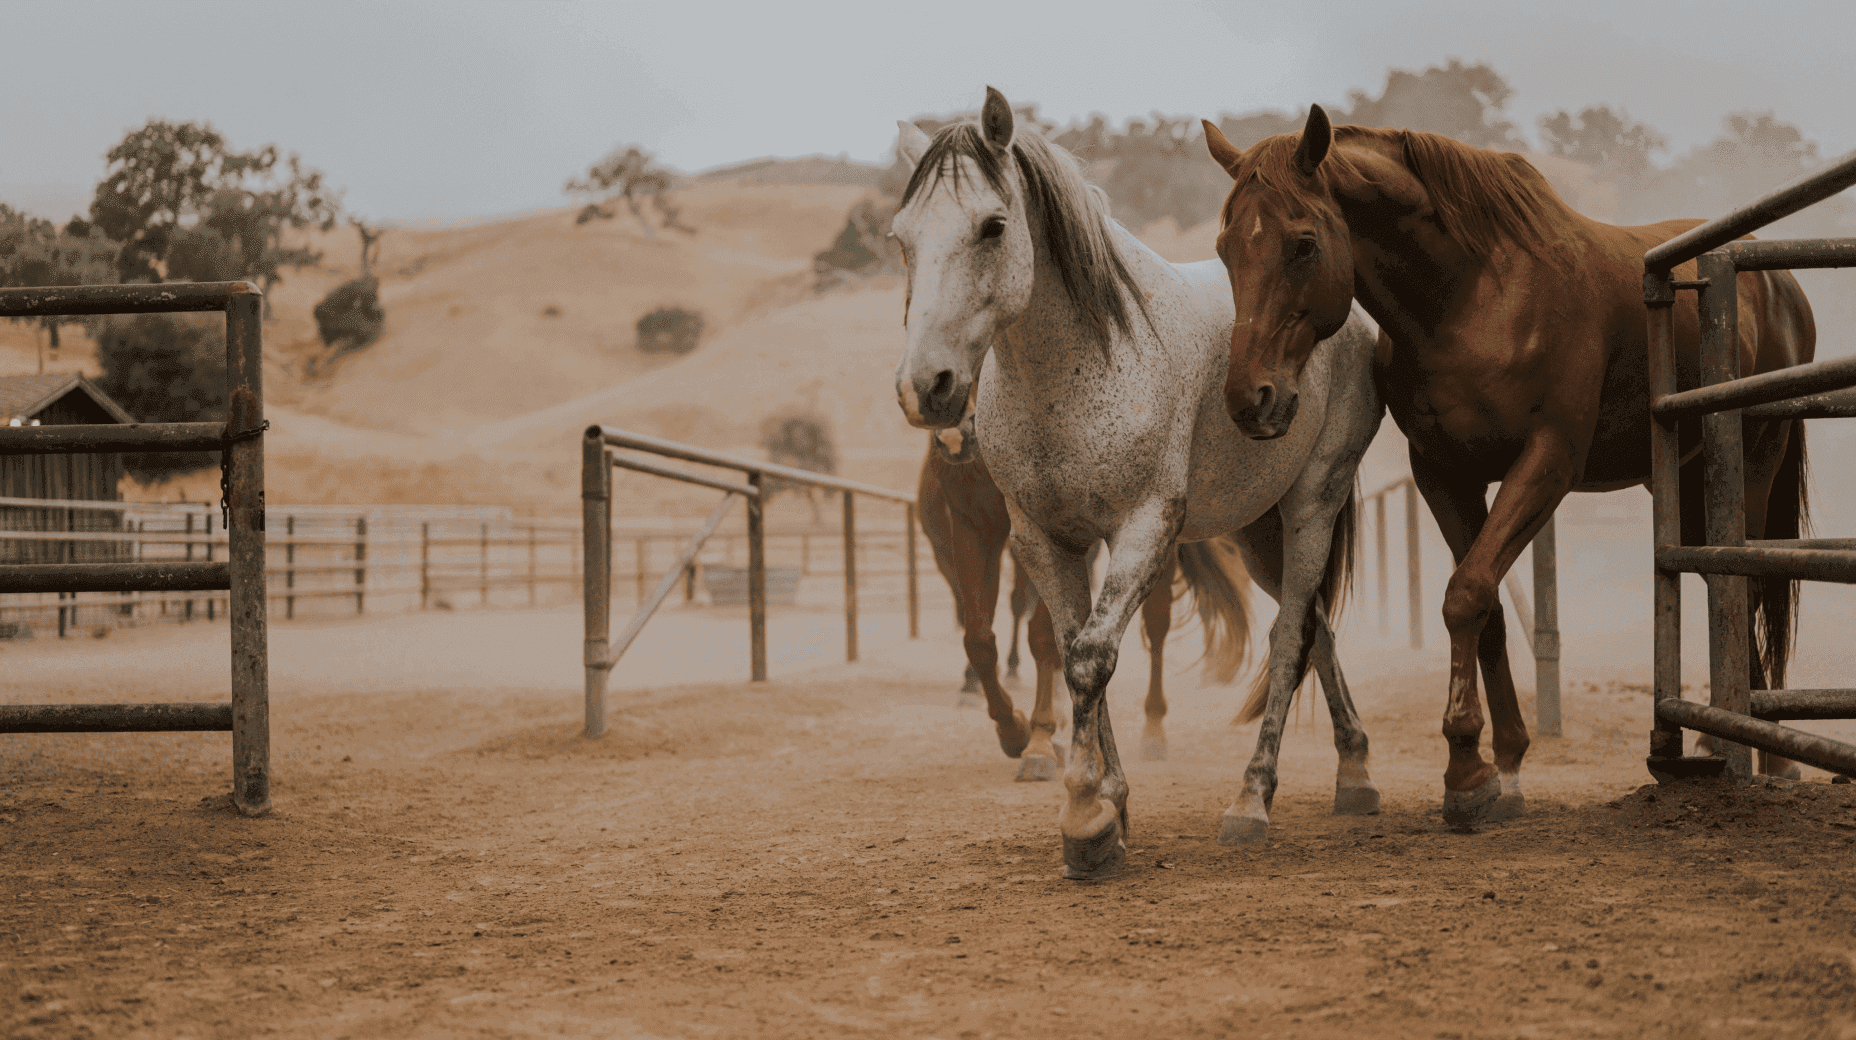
pixel 1546 631
pixel 425 564
pixel 1665 520
pixel 915 612
pixel 186 613
pixel 1724 493
pixel 483 564
pixel 1414 569
pixel 1379 567
pixel 247 603
pixel 639 554
pixel 757 583
pixel 850 575
pixel 360 559
pixel 531 563
pixel 212 599
pixel 289 567
pixel 596 534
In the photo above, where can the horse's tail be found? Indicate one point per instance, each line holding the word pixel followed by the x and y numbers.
pixel 1336 583
pixel 1775 600
pixel 1213 572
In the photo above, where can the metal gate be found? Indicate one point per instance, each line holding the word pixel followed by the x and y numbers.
pixel 597 459
pixel 1740 716
pixel 241 573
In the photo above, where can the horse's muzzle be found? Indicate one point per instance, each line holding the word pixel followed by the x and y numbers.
pixel 1268 416
pixel 936 400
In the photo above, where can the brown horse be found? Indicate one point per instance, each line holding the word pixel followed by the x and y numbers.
pixel 1513 348
pixel 964 517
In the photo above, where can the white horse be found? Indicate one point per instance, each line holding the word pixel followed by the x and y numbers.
pixel 1099 369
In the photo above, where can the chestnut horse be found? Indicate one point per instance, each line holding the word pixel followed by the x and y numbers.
pixel 1513 348
pixel 963 515
pixel 1094 369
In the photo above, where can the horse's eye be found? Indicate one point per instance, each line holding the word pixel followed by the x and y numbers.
pixel 992 227
pixel 1304 249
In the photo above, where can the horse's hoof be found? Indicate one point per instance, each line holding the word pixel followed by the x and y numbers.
pixel 1153 747
pixel 1512 805
pixel 1243 830
pixel 968 700
pixel 1014 735
pixel 1091 859
pixel 1358 800
pixel 1468 808
pixel 1039 767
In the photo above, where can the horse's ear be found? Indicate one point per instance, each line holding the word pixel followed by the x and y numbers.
pixel 996 119
pixel 910 141
pixel 1317 136
pixel 1223 151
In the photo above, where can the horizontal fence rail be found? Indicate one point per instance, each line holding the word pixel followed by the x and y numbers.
pixel 1741 717
pixel 600 651
pixel 241 571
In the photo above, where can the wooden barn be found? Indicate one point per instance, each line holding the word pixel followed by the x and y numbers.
pixel 58 399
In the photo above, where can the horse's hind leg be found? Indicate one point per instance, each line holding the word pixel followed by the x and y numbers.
pixel 1043 757
pixel 1024 597
pixel 1157 621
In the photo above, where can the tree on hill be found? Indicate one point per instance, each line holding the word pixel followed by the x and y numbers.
pixel 188 208
pixel 350 317
pixel 633 176
pixel 164 368
pixel 1456 100
pixel 1611 143
pixel 36 252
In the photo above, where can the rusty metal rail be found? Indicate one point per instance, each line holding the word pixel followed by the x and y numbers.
pixel 1737 714
pixel 241 438
pixel 598 459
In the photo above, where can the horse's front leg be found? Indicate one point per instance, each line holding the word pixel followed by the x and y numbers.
pixel 977 547
pixel 1302 525
pixel 1094 818
pixel 1486 542
pixel 1355 794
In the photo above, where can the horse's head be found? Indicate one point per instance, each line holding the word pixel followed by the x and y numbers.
pixel 969 253
pixel 957 444
pixel 1287 250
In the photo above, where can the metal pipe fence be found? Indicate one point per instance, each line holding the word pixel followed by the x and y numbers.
pixel 598 459
pixel 242 571
pixel 1741 717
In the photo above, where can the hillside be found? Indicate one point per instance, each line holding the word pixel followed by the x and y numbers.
pixel 505 339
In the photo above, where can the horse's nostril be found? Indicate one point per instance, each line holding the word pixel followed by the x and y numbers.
pixel 1266 395
pixel 943 384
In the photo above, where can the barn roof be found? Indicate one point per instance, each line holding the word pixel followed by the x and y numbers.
pixel 26 396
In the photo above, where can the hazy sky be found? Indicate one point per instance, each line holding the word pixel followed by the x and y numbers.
pixel 461 109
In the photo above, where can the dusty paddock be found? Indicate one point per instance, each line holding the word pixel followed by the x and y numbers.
pixel 842 852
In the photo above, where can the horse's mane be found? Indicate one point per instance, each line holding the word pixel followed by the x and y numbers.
pixel 1481 197
pixel 1069 214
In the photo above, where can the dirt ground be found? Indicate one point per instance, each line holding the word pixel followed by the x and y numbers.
pixel 843 852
